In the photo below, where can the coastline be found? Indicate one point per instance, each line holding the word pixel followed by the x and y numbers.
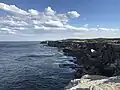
pixel 94 56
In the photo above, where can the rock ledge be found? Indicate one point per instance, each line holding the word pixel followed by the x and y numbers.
pixel 95 82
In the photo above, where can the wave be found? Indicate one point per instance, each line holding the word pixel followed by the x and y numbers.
pixel 39 56
pixel 28 57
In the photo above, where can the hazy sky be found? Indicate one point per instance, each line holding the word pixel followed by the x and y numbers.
pixel 58 19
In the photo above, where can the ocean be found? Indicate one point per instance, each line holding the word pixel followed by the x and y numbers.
pixel 33 66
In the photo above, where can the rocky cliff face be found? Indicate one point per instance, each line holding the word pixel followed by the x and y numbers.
pixel 93 58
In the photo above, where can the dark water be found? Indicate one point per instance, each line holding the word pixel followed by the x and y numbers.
pixel 32 66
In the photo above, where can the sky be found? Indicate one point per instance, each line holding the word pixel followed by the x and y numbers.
pixel 29 20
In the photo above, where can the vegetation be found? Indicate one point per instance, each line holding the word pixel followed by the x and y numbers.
pixel 96 40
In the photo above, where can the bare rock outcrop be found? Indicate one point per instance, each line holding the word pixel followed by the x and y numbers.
pixel 95 82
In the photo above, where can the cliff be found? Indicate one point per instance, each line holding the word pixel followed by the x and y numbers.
pixel 99 57
pixel 94 56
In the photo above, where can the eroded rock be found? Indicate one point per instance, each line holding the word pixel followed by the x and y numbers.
pixel 97 56
pixel 95 82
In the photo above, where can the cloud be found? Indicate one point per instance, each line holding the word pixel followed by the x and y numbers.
pixel 12 8
pixel 33 19
pixel 53 24
pixel 49 11
pixel 48 22
pixel 33 12
pixel 37 27
pixel 98 25
pixel 86 25
pixel 7 30
pixel 73 14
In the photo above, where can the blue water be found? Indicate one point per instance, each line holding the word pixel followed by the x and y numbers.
pixel 32 66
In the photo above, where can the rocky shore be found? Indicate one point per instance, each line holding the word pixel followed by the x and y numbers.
pixel 94 82
pixel 94 56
